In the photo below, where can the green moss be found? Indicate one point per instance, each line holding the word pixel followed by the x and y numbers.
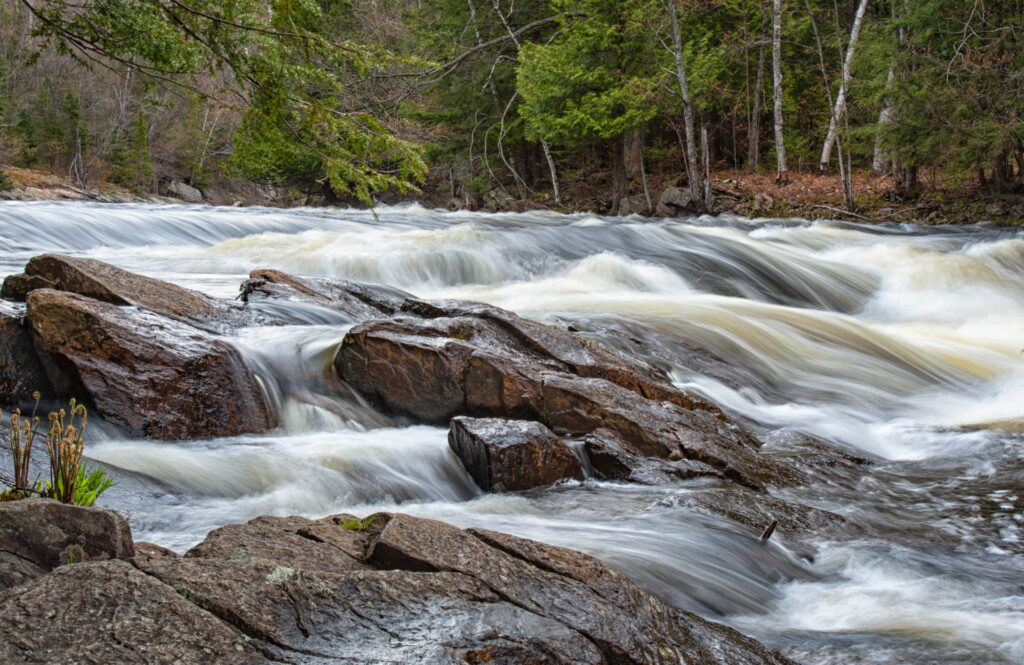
pixel 356 524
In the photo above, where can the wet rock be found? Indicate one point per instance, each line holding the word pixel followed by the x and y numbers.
pixel 476 360
pixel 634 205
pixel 611 458
pixel 511 455
pixel 109 612
pixel 38 535
pixel 357 301
pixel 624 623
pixel 320 545
pixel 153 551
pixel 756 511
pixel 110 284
pixel 523 205
pixel 21 372
pixel 16 287
pixel 147 374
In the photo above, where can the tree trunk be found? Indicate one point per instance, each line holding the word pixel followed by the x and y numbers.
pixel 754 135
pixel 706 158
pixel 691 142
pixel 619 174
pixel 780 147
pixel 551 167
pixel 880 162
pixel 840 108
pixel 643 176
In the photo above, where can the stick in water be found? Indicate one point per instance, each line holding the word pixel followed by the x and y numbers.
pixel 769 530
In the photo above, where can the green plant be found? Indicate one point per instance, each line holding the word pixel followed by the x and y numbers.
pixel 64 443
pixel 22 434
pixel 356 524
pixel 5 182
pixel 91 483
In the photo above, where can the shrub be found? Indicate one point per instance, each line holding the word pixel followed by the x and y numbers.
pixel 5 182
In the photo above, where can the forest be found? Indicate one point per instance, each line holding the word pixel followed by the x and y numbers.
pixel 578 103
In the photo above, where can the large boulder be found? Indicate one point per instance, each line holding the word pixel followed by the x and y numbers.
pixel 511 455
pixel 676 201
pixel 108 283
pixel 148 374
pixel 421 591
pixel 38 535
pixel 110 612
pixel 21 373
pixel 470 359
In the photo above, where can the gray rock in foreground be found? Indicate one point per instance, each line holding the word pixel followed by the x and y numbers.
pixel 388 589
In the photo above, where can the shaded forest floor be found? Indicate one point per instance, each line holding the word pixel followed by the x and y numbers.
pixel 942 199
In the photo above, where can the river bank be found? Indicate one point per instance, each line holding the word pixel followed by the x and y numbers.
pixel 804 196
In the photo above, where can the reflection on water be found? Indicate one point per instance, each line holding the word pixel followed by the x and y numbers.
pixel 898 343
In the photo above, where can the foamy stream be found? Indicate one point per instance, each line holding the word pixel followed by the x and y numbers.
pixel 901 344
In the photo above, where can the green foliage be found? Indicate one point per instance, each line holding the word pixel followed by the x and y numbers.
pixel 282 60
pixel 131 160
pixel 5 182
pixel 355 524
pixel 89 485
pixel 595 79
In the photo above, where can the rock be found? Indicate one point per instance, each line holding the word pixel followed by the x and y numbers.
pixel 297 542
pixel 426 592
pixel 477 360
pixel 153 551
pixel 634 205
pixel 38 535
pixel 796 522
pixel 109 612
pixel 147 374
pixel 183 191
pixel 611 459
pixel 356 301
pixel 16 287
pixel 511 455
pixel 108 283
pixel 21 372
pixel 497 199
pixel 763 202
pixel 675 201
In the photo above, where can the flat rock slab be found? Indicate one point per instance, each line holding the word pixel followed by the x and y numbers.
pixel 512 455
pixel 147 374
pixel 109 612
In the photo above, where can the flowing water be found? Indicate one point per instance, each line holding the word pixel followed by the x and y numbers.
pixel 901 344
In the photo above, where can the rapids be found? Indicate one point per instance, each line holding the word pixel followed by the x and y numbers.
pixel 900 344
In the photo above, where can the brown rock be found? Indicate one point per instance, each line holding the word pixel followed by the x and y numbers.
pixel 153 551
pixel 102 281
pixel 16 287
pixel 147 374
pixel 296 542
pixel 511 455
pixel 476 360
pixel 21 372
pixel 38 535
pixel 355 300
pixel 611 459
pixel 109 612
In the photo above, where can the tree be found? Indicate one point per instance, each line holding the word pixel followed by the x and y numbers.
pixel 780 147
pixel 684 92
pixel 839 110
pixel 285 67
pixel 594 80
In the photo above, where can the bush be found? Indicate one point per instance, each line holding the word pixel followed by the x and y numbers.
pixel 5 182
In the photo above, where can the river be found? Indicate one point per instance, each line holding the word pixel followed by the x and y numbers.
pixel 900 344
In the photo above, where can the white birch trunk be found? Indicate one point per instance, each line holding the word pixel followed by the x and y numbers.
pixel 684 91
pixel 780 146
pixel 840 107
pixel 880 164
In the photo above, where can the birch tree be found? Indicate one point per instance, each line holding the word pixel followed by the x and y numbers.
pixel 839 110
pixel 780 147
pixel 693 175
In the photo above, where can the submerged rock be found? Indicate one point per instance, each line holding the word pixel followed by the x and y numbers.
pixel 511 455
pixel 147 374
pixel 357 301
pixel 38 535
